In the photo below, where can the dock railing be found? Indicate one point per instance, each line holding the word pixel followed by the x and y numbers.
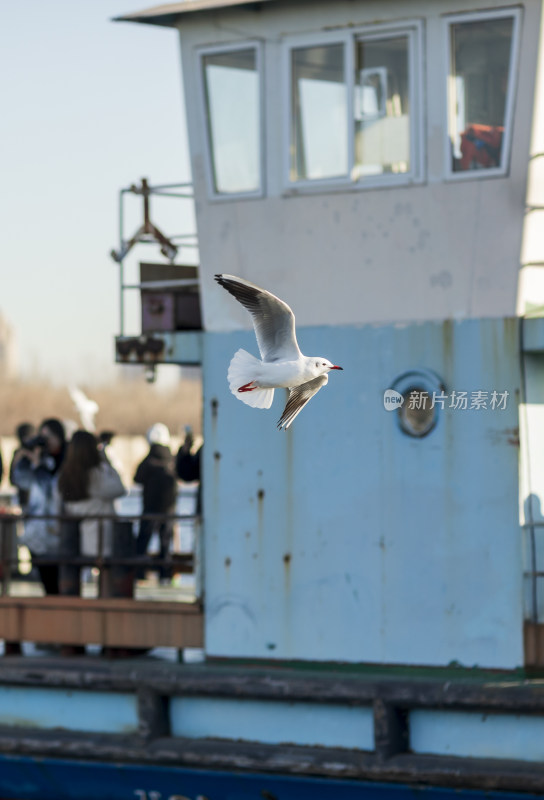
pixel 533 625
pixel 118 599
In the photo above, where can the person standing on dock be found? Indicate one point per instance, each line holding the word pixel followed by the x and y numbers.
pixel 88 485
pixel 157 478
pixel 35 469
pixel 24 432
pixel 188 465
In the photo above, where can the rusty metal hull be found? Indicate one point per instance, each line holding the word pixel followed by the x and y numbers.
pixel 344 538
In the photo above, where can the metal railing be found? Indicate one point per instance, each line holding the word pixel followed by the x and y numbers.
pixel 120 567
pixel 148 233
pixel 534 572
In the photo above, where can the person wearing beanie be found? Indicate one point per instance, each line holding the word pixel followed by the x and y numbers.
pixel 157 477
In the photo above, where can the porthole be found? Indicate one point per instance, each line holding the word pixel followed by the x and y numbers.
pixel 416 411
pixel 417 414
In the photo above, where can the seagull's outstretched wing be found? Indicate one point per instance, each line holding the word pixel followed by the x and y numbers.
pixel 298 397
pixel 273 320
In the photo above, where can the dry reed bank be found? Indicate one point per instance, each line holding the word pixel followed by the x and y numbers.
pixel 125 407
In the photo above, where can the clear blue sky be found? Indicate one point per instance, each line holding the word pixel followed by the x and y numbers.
pixel 88 106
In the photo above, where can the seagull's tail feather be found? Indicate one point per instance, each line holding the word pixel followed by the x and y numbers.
pixel 241 373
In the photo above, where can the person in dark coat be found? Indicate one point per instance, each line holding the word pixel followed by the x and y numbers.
pixel 158 480
pixel 188 466
pixel 24 432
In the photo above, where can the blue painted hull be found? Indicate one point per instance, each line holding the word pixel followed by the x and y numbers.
pixel 23 778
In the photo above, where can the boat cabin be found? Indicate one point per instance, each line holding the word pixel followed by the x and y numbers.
pixel 376 166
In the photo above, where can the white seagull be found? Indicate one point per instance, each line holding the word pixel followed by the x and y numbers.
pixel 282 366
pixel 87 408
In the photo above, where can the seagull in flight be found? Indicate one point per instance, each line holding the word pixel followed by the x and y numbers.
pixel 87 408
pixel 282 365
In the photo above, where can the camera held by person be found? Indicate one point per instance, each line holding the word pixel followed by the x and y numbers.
pixel 36 443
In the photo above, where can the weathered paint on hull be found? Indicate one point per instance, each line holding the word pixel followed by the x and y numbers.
pixel 398 550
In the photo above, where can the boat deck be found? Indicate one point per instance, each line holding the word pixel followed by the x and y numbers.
pixel 157 679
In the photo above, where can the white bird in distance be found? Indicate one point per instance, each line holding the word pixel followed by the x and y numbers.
pixel 87 408
pixel 282 366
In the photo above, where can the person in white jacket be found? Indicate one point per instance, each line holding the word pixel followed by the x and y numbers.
pixel 88 485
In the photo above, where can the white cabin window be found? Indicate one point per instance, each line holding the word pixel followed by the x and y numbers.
pixel 232 95
pixel 319 112
pixel 355 104
pixel 482 51
pixel 382 107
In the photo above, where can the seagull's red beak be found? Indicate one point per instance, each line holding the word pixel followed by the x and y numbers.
pixel 336 367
